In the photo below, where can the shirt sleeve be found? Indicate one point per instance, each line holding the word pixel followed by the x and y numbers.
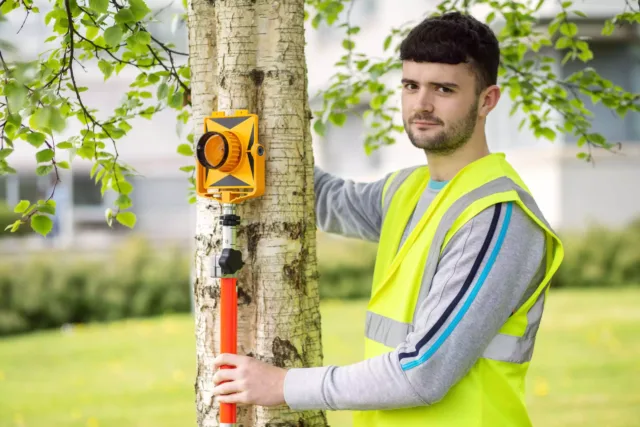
pixel 352 209
pixel 486 271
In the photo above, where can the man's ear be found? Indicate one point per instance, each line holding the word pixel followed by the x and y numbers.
pixel 488 100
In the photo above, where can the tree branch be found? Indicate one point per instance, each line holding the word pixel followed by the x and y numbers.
pixel 71 31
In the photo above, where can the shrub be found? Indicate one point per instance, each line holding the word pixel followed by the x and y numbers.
pixel 601 257
pixel 135 281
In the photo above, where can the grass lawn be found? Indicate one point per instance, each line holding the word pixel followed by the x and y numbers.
pixel 585 371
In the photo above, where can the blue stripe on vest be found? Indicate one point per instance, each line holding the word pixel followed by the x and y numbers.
pixel 472 295
pixel 463 289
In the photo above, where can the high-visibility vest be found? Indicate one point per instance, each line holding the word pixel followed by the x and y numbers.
pixel 492 393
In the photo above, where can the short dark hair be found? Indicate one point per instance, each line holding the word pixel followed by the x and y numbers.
pixel 454 38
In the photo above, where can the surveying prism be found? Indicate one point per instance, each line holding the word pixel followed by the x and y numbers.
pixel 229 169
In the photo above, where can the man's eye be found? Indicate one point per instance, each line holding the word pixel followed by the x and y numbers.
pixel 445 89
pixel 410 86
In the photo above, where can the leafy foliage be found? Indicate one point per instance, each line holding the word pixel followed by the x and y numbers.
pixel 41 98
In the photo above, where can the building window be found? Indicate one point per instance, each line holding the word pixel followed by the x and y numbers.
pixel 618 62
pixel 29 188
pixel 85 191
pixel 3 188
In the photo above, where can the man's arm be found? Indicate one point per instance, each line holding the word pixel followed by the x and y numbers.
pixel 348 208
pixel 454 325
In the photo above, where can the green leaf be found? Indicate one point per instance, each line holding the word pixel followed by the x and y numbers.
pixel 64 145
pixel 387 42
pixel 569 29
pixel 48 209
pixel 108 216
pixel 319 127
pixel 143 37
pixel 163 91
pixel 113 35
pixel 139 9
pixel 41 224
pixel 40 119
pixel 185 150
pixel 187 168
pixel 548 133
pixel 338 119
pixel 124 187
pixel 353 30
pixel 22 206
pixel 609 28
pixel 128 219
pixel 57 123
pixel 106 67
pixel 63 164
pixel 123 202
pixel 99 6
pixel 175 101
pixel 45 155
pixel 563 42
pixel 4 153
pixel 16 96
pixel 44 170
pixel 92 32
pixel 125 16
pixel 348 44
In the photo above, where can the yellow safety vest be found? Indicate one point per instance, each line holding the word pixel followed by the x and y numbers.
pixel 492 393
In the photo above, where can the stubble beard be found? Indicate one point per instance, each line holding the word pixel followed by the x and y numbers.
pixel 446 141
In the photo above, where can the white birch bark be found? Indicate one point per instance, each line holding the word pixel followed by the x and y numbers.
pixel 249 54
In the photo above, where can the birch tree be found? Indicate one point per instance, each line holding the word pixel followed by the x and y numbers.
pixel 250 54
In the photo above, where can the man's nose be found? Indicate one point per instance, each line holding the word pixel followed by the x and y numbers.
pixel 425 101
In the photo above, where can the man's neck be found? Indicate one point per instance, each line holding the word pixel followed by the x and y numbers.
pixel 445 167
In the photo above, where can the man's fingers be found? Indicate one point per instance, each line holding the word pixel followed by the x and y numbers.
pixel 226 359
pixel 225 375
pixel 227 388
pixel 233 398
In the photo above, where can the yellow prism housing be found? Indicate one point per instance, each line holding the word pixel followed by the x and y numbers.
pixel 230 161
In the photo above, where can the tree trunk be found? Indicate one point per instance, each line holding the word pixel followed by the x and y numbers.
pixel 248 54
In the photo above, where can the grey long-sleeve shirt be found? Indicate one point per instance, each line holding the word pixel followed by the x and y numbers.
pixel 354 209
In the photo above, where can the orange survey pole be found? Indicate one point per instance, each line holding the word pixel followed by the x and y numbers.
pixel 229 337
pixel 226 267
pixel 230 168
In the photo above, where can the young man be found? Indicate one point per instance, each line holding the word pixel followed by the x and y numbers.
pixel 464 261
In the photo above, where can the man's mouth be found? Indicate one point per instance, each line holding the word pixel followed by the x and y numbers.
pixel 425 123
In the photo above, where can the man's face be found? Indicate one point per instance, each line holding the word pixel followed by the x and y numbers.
pixel 439 105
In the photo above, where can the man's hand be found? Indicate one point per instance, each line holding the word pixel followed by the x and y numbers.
pixel 251 382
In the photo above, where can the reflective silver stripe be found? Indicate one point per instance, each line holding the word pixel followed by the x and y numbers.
pixel 509 348
pixel 385 330
pixel 395 184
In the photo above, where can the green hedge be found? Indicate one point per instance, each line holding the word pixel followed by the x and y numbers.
pixel 601 257
pixel 136 281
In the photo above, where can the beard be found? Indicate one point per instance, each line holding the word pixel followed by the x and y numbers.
pixel 447 140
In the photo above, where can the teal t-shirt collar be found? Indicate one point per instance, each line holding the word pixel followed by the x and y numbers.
pixel 436 185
